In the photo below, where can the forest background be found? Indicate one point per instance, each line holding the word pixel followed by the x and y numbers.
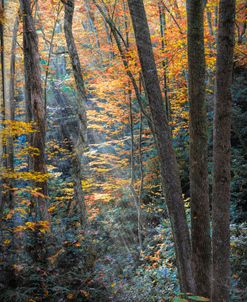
pixel 94 205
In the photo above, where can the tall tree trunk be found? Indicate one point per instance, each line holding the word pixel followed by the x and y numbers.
pixel 69 6
pixel 2 58
pixel 81 140
pixel 27 73
pixel 33 86
pixel 58 11
pixel 162 16
pixel 168 164
pixel 200 219
pixel 10 144
pixel 5 181
pixel 13 69
pixel 2 104
pixel 137 200
pixel 222 152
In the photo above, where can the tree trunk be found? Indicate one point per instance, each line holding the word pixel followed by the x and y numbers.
pixel 10 144
pixel 2 59
pixel 162 15
pixel 33 86
pixel 79 142
pixel 27 72
pixel 137 200
pixel 222 153
pixel 2 104
pixel 58 11
pixel 200 218
pixel 168 164
pixel 76 66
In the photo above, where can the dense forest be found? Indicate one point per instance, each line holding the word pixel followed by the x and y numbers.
pixel 123 148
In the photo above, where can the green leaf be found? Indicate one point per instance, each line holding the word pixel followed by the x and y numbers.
pixel 180 300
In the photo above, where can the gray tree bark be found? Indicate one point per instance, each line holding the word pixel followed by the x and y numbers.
pixel 2 105
pixel 80 139
pixel 10 143
pixel 168 164
pixel 69 6
pixel 222 153
pixel 35 105
pixel 200 217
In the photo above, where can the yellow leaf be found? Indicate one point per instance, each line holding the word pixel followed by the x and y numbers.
pixel 10 214
pixel 85 293
pixel 70 296
pixel 6 242
pixel 51 209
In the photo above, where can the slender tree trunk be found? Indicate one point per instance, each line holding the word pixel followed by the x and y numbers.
pixel 35 100
pixel 132 173
pixel 2 56
pixel 27 73
pixel 210 24
pixel 2 105
pixel 10 143
pixel 59 9
pixel 216 15
pixel 2 59
pixel 222 153
pixel 168 164
pixel 162 14
pixel 13 69
pixel 76 66
pixel 200 219
pixel 81 106
pixel 5 185
pixel 141 158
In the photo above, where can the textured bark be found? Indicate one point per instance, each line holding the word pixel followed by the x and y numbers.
pixel 4 182
pixel 2 58
pixel 2 104
pixel 162 15
pixel 33 86
pixel 13 69
pixel 168 164
pixel 79 139
pixel 76 66
pixel 58 11
pixel 222 153
pixel 200 218
pixel 10 143
pixel 27 73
